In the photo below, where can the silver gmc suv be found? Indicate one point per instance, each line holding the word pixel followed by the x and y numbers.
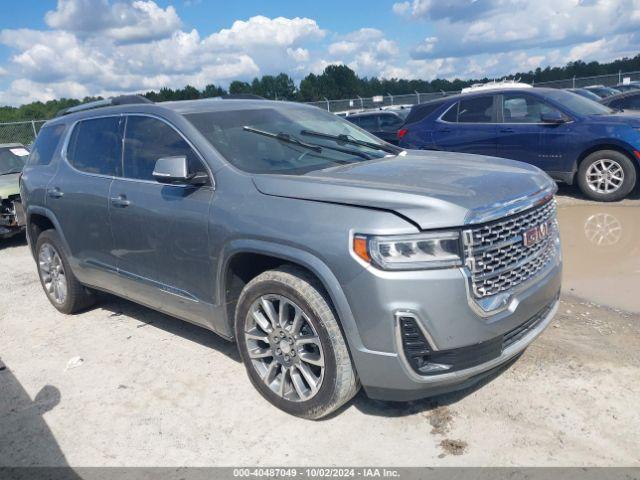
pixel 333 259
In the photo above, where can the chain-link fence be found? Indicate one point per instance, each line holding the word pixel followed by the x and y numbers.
pixel 379 101
pixel 610 80
pixel 20 132
pixel 368 103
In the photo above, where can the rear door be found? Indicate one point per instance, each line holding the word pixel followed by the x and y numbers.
pixel 79 197
pixel 161 231
pixel 468 126
pixel 523 136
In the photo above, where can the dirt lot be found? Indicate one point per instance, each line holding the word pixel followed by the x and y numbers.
pixel 123 385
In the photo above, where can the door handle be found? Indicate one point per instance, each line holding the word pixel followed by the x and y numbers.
pixel 507 130
pixel 120 201
pixel 55 193
pixel 444 130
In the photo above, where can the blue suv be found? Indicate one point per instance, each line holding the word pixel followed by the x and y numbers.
pixel 572 138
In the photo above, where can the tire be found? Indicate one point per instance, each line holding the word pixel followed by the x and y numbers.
pixel 619 163
pixel 303 298
pixel 77 297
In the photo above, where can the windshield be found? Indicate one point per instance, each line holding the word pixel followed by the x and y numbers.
pixel 284 140
pixel 11 160
pixel 578 104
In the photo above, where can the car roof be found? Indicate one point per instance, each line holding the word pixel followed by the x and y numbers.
pixel 181 107
pixel 628 93
pixel 11 145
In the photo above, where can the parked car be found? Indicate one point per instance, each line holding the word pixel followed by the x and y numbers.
pixel 12 219
pixel 383 124
pixel 625 87
pixel 583 92
pixel 333 259
pixel 629 100
pixel 573 139
pixel 602 91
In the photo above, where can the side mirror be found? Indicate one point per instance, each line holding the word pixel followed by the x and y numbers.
pixel 553 116
pixel 175 170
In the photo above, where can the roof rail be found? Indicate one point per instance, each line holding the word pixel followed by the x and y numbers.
pixel 242 96
pixel 107 102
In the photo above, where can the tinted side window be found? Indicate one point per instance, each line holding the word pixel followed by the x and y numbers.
pixel 148 139
pixel 451 115
pixel 95 146
pixel 632 102
pixel 369 122
pixel 617 103
pixel 524 109
pixel 476 110
pixel 45 145
pixel 390 121
pixel 419 112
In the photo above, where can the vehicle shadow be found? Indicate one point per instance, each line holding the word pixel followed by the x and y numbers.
pixel 18 240
pixel 154 319
pixel 25 438
pixel 381 408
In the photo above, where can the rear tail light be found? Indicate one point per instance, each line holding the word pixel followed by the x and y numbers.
pixel 402 132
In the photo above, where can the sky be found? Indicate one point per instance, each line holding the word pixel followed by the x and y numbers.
pixel 76 48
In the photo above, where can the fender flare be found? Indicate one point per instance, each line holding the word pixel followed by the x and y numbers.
pixel 45 212
pixel 303 258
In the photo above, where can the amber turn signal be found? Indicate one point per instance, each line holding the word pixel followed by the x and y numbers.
pixel 361 249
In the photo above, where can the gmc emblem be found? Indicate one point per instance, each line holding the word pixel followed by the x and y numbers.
pixel 536 234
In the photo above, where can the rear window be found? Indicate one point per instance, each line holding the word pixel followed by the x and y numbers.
pixel 45 145
pixel 95 146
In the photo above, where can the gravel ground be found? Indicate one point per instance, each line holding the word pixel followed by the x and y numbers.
pixel 121 385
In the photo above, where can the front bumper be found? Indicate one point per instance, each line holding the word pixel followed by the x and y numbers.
pixel 450 323
pixel 12 217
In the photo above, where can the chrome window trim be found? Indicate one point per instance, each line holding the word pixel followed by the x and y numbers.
pixel 63 152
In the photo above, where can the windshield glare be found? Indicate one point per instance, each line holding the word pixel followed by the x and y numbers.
pixel 9 162
pixel 579 104
pixel 255 153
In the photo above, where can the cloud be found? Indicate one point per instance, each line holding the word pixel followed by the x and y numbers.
pixel 464 27
pixel 366 50
pixel 84 56
pixel 136 21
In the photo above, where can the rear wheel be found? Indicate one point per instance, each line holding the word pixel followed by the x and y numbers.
pixel 607 176
pixel 291 344
pixel 63 290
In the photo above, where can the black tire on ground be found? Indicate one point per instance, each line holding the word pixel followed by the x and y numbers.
pixel 621 159
pixel 78 297
pixel 339 382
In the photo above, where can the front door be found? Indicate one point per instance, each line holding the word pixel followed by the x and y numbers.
pixel 161 231
pixel 523 136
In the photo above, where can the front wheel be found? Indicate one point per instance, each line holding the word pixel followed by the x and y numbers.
pixel 291 344
pixel 607 176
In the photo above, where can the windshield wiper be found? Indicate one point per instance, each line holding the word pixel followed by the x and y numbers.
pixel 284 137
pixel 348 139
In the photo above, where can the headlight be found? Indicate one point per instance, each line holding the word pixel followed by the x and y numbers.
pixel 410 252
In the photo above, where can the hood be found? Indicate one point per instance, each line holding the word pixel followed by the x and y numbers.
pixel 9 185
pixel 432 189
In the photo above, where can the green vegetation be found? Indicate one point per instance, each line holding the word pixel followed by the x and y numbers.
pixel 337 81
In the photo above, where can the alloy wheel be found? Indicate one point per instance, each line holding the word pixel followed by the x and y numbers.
pixel 284 348
pixel 605 176
pixel 52 273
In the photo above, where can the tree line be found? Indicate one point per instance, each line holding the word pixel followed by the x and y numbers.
pixel 335 82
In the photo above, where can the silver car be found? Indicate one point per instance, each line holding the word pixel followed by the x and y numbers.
pixel 332 258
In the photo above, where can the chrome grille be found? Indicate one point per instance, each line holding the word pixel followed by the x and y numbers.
pixel 497 257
